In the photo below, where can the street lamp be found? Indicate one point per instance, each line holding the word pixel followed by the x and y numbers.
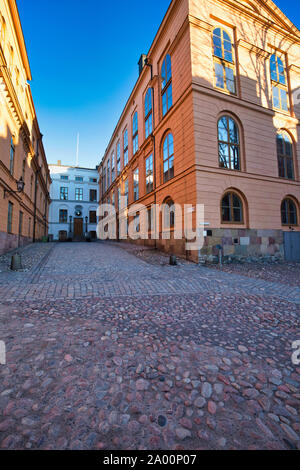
pixel 20 188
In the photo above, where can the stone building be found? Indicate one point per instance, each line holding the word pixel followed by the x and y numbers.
pixel 213 119
pixel 24 213
pixel 74 202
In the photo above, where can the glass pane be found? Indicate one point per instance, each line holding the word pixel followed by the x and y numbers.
pixel 235 158
pixel 276 103
pixel 280 146
pixel 219 74
pixel 284 103
pixel 170 97
pixel 236 201
pixel 228 56
pixel 288 146
pixel 164 103
pixel 284 217
pixel 171 144
pixel 289 168
pixel 237 215
pixel 292 213
pixel 281 170
pixel 224 155
pixel 273 67
pixel 218 52
pixel 225 214
pixel 223 129
pixel 230 80
pixel 233 132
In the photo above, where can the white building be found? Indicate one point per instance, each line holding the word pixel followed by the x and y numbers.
pixel 74 196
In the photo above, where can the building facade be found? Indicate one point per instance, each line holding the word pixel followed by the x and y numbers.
pixel 74 202
pixel 24 214
pixel 214 119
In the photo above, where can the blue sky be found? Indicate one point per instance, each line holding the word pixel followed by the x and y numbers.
pixel 83 57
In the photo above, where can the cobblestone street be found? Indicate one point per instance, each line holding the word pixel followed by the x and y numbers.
pixel 106 350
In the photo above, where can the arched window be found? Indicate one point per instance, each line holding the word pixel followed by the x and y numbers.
pixel 232 208
pixel 135 133
pixel 279 83
pixel 168 214
pixel 148 113
pixel 168 157
pixel 223 61
pixel 229 143
pixel 166 85
pixel 285 156
pixel 125 147
pixel 288 212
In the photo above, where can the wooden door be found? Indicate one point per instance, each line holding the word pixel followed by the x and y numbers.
pixel 78 227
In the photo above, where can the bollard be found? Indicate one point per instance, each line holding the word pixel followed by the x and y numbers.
pixel 219 247
pixel 173 260
pixel 16 262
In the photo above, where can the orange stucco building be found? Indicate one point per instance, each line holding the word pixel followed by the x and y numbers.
pixel 213 119
pixel 24 214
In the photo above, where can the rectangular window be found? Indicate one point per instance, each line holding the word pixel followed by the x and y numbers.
pixel 113 175
pixel 126 192
pixel 136 184
pixel 118 158
pixel 64 194
pixel 119 198
pixel 63 216
pixel 64 177
pixel 149 174
pixel 93 195
pixel 104 180
pixel 108 174
pixel 79 194
pixel 125 148
pixel 93 217
pixel 79 179
pixel 12 157
pixel 9 217
pixel 93 180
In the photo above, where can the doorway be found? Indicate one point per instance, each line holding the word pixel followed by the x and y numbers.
pixel 78 228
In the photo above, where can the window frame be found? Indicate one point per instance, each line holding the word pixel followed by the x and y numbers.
pixel 289 200
pixel 136 184
pixel 231 208
pixel 169 157
pixel 148 113
pixel 135 133
pixel 78 194
pixel 168 85
pixel 125 148
pixel 64 191
pixel 230 144
pixel 10 210
pixel 276 84
pixel 149 186
pixel 224 63
pixel 285 157
pixel 63 220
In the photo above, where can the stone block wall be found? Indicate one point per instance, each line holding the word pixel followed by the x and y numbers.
pixel 242 244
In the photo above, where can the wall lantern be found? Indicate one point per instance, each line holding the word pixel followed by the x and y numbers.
pixel 20 188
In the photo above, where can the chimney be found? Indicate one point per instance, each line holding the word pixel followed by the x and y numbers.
pixel 58 162
pixel 142 63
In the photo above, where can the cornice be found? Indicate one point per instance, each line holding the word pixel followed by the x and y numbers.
pixel 252 48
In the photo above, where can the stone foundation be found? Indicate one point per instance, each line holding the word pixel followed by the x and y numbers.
pixel 237 244
pixel 242 244
pixel 9 242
